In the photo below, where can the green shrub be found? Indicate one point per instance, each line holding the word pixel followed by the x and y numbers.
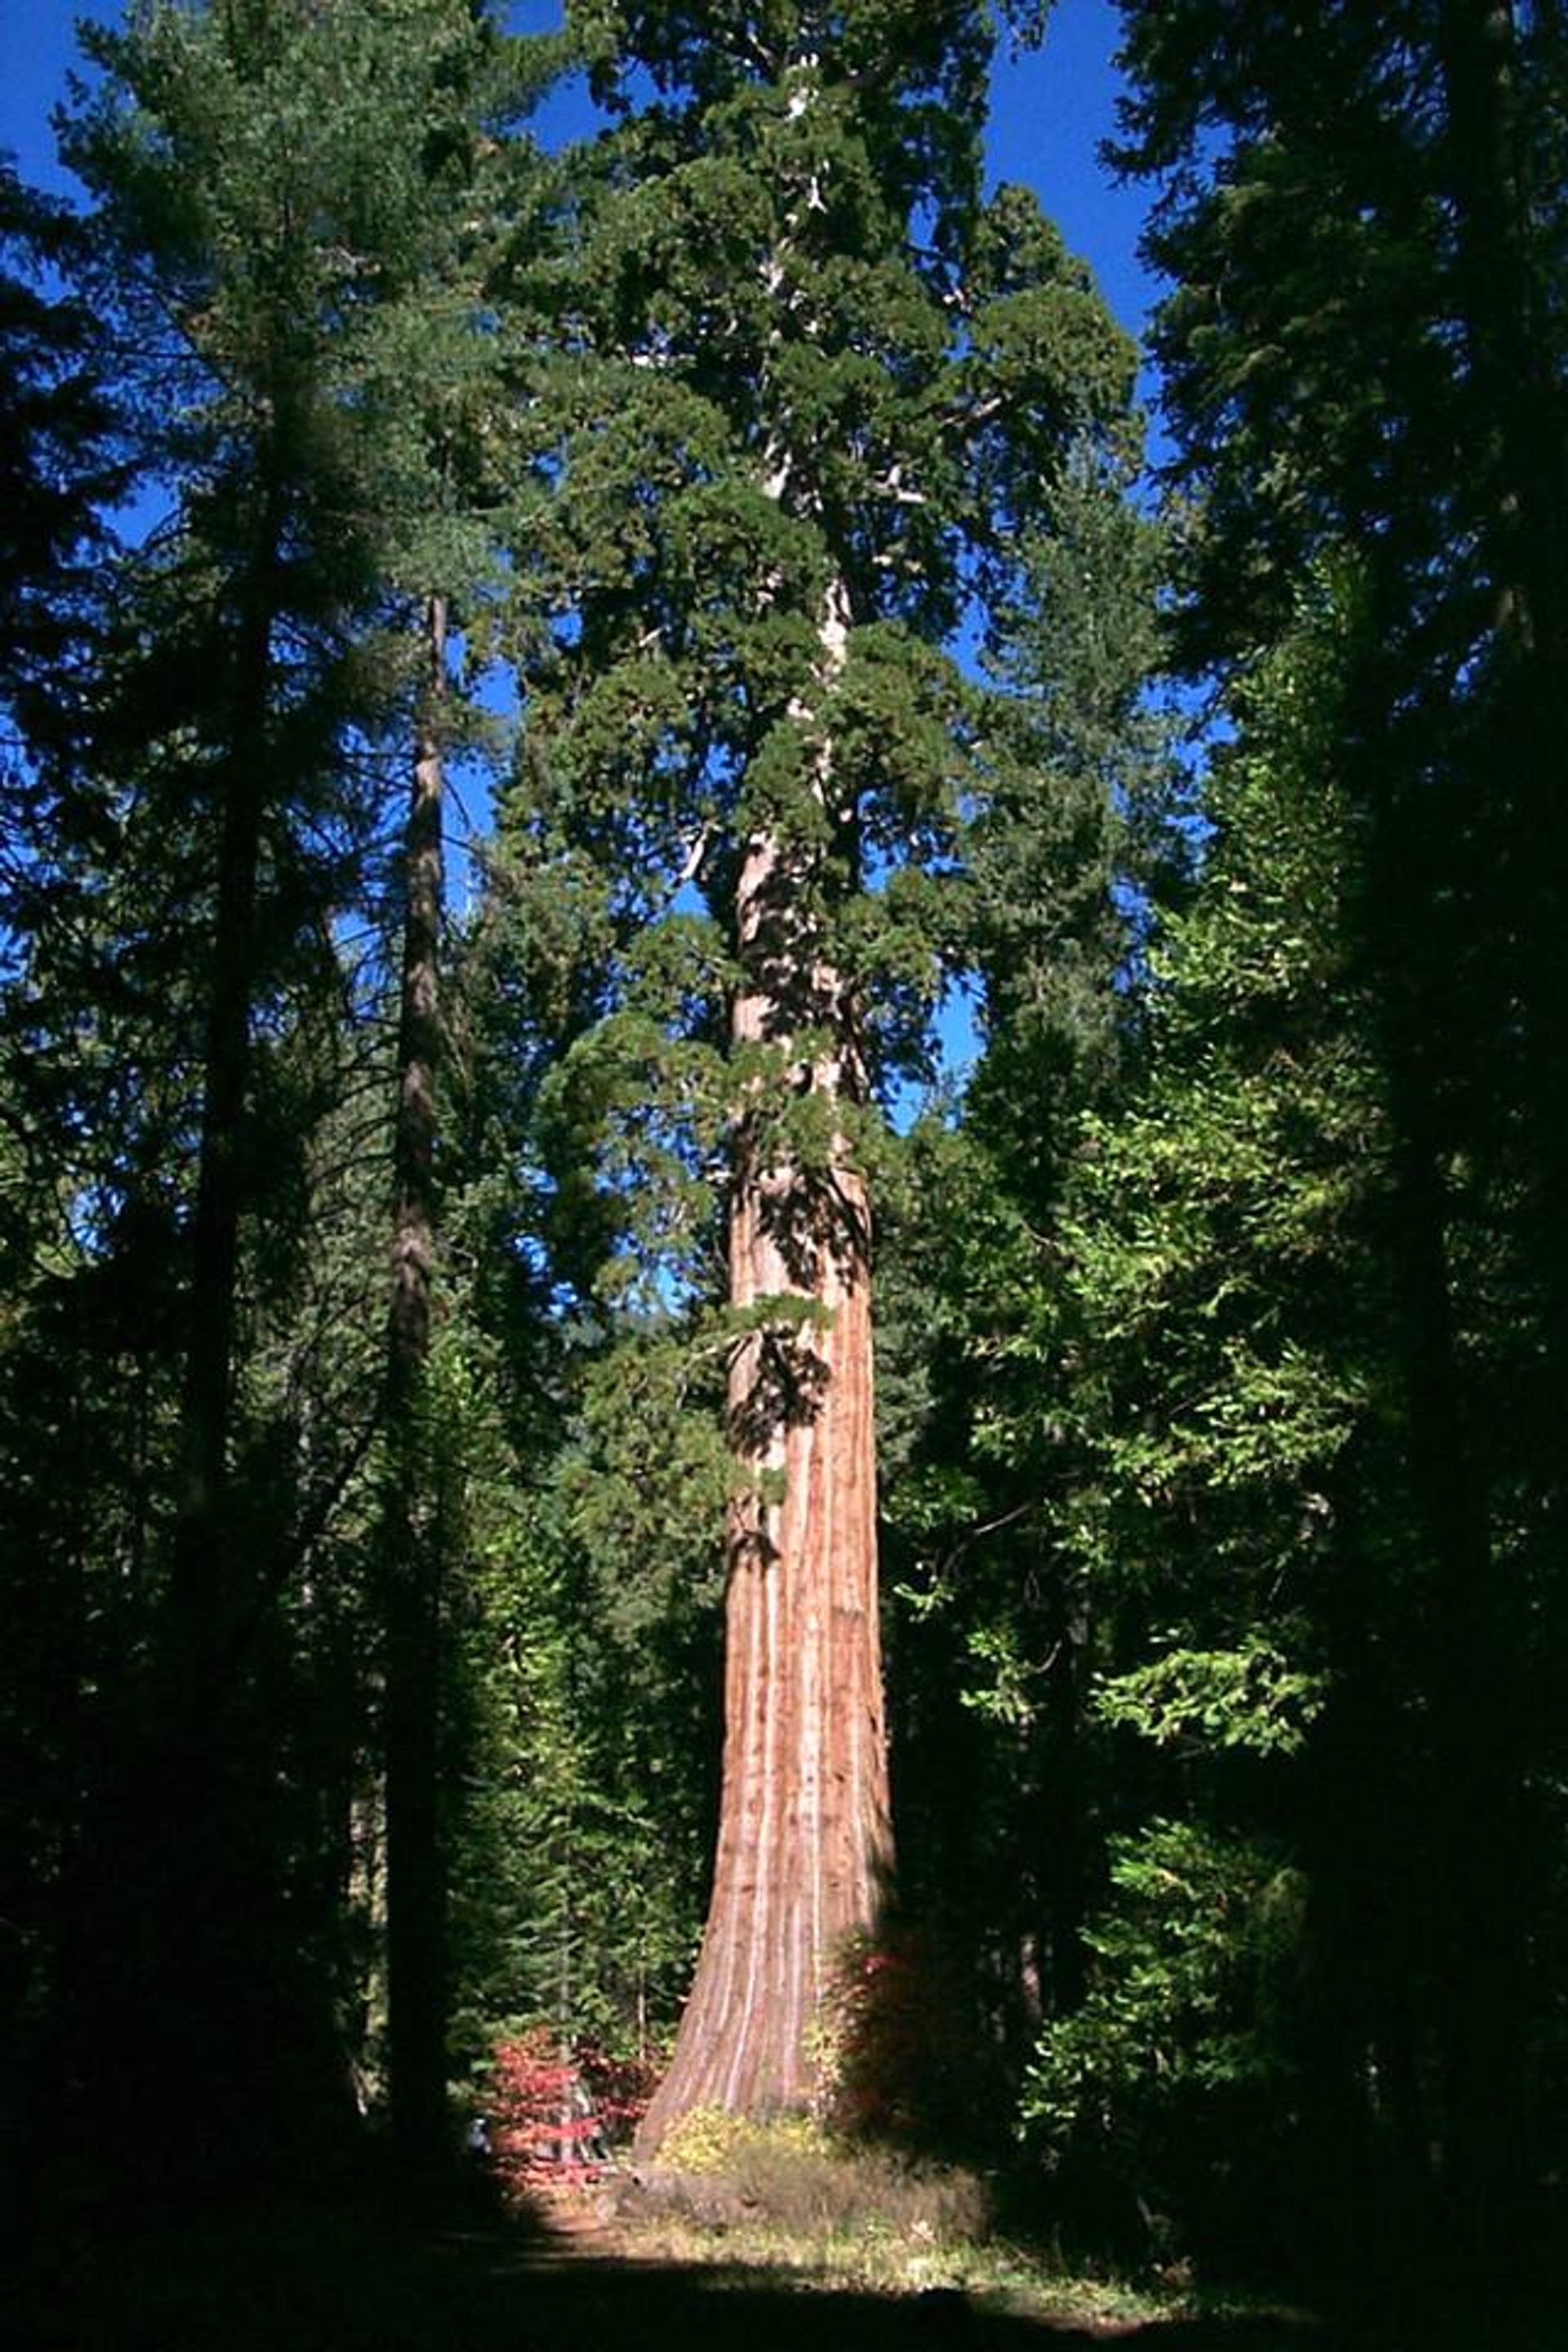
pixel 1178 2055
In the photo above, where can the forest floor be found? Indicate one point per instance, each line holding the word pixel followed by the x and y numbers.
pixel 327 2282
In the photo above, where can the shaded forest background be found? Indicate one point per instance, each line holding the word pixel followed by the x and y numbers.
pixel 364 1326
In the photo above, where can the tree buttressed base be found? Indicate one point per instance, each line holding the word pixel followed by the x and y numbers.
pixel 804 1846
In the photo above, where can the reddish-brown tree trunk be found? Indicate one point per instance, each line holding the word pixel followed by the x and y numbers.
pixel 804 1845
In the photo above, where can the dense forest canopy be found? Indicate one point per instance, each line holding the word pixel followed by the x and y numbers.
pixel 453 1538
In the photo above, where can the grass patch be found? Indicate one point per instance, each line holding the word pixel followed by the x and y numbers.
pixel 787 2196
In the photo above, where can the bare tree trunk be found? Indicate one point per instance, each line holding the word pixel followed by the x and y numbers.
pixel 201 1593
pixel 415 1888
pixel 201 1960
pixel 804 1844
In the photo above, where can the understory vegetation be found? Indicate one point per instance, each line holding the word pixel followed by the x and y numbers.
pixel 791 2195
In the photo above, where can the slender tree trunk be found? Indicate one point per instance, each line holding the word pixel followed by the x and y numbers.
pixel 199 1829
pixel 804 1845
pixel 1472 1673
pixel 1464 1621
pixel 1500 1857
pixel 416 1878
pixel 207 1403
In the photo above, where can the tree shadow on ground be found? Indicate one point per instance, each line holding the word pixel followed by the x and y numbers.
pixel 322 2283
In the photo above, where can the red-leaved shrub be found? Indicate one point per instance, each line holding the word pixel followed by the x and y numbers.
pixel 555 2115
pixel 897 2059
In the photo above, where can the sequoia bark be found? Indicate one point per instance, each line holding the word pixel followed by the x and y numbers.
pixel 804 1845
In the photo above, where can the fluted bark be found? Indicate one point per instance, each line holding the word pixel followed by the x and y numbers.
pixel 804 1845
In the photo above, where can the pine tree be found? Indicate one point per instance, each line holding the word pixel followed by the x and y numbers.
pixel 69 1420
pixel 57 462
pixel 436 186
pixel 1362 216
pixel 249 174
pixel 1222 1316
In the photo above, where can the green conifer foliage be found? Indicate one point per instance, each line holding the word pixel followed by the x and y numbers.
pixel 1362 213
pixel 1222 1321
pixel 1065 846
pixel 278 189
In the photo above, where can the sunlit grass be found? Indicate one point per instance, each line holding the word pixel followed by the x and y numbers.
pixel 786 2198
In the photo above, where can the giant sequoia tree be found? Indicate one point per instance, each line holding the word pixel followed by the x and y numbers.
pixel 816 380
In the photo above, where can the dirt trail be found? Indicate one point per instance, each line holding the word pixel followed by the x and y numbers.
pixel 320 2284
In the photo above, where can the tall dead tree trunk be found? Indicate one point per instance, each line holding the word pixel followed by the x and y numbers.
pixel 415 1885
pixel 201 1593
pixel 197 1827
pixel 804 1844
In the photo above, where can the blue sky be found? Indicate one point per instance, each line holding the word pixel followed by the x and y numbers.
pixel 1051 109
